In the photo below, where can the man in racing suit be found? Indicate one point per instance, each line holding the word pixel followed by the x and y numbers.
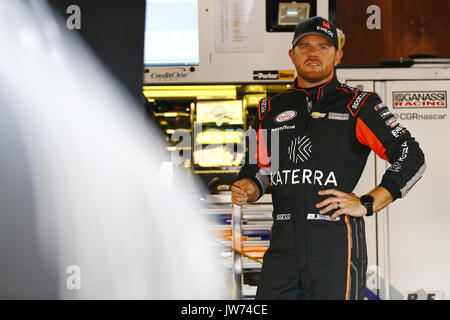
pixel 312 145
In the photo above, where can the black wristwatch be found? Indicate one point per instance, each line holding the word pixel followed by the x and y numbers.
pixel 367 201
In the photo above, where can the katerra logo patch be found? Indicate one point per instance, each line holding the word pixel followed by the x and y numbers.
pixel 300 149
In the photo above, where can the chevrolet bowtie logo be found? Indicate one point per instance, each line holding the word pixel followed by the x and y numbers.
pixel 317 115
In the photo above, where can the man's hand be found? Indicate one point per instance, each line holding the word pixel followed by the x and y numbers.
pixel 345 203
pixel 244 191
pixel 349 203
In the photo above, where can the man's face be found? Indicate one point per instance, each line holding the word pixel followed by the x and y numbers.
pixel 314 58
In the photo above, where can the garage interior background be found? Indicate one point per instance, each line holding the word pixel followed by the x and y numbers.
pixel 115 31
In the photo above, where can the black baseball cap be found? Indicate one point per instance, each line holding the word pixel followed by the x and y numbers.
pixel 316 25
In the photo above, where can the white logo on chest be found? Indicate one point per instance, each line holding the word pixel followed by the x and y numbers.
pixel 285 116
pixel 300 149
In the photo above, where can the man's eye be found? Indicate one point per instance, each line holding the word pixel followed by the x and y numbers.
pixel 324 47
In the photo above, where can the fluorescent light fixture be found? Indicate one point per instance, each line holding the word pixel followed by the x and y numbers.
pixel 252 100
pixel 217 157
pixel 291 13
pixel 215 136
pixel 220 112
pixel 198 92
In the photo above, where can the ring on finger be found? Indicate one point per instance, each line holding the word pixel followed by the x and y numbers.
pixel 338 205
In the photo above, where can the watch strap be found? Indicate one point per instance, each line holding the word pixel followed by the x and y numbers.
pixel 367 201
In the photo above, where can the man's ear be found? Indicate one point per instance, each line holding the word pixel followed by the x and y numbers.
pixel 291 54
pixel 339 55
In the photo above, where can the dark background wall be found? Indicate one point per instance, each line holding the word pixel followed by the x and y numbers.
pixel 114 29
pixel 407 27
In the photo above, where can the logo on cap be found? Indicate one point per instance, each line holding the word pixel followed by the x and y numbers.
pixel 326 25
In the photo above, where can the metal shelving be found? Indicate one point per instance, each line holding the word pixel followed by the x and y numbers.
pixel 244 232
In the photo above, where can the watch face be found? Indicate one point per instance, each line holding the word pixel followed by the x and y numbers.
pixel 366 200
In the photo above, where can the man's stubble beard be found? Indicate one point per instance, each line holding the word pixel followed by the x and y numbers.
pixel 319 78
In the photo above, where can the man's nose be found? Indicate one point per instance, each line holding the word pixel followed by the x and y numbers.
pixel 313 51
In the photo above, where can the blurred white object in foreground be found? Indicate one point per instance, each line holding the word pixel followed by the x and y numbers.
pixel 79 184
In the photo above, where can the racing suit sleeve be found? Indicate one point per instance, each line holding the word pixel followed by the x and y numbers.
pixel 256 161
pixel 377 128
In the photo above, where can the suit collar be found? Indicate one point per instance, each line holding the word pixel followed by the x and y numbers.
pixel 319 91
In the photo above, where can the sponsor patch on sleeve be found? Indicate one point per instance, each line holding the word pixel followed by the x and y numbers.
pixel 378 107
pixel 358 101
pixel 391 122
pixel 385 113
pixel 399 130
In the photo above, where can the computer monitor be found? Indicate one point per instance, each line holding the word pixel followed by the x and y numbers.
pixel 171 33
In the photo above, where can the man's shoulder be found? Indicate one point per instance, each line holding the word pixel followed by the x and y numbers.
pixel 351 92
pixel 269 104
pixel 355 98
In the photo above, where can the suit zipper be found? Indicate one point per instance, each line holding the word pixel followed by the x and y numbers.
pixel 309 104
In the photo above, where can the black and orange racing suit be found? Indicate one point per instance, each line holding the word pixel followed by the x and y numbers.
pixel 317 139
